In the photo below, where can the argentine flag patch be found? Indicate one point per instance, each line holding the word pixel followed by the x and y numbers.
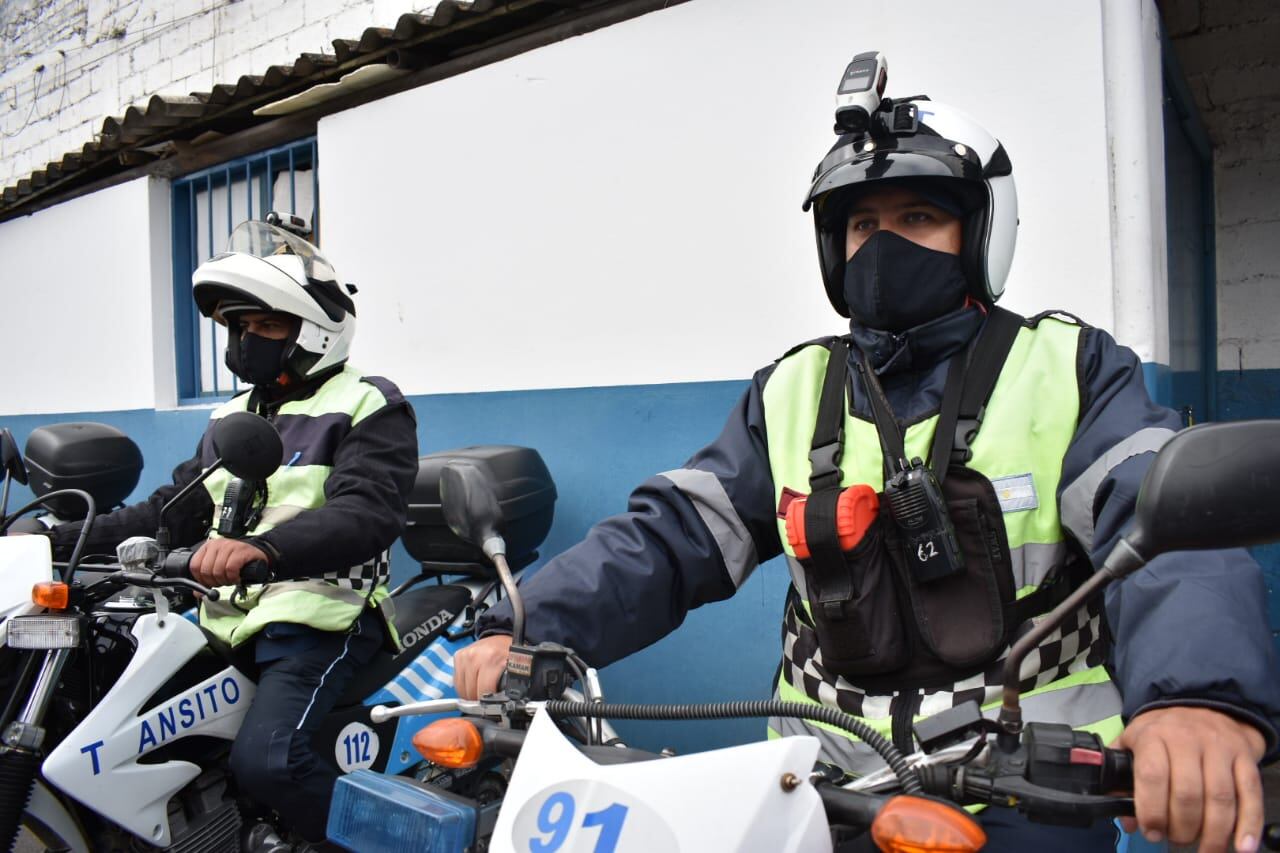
pixel 1016 493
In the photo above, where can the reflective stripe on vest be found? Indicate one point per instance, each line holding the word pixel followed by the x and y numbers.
pixel 709 499
pixel 1029 422
pixel 1086 701
pixel 1079 496
pixel 311 430
pixel 1065 677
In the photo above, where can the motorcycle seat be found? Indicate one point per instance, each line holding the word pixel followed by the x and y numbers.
pixel 423 613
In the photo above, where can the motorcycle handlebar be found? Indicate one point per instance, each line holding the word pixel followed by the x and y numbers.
pixel 177 564
pixel 849 808
pixel 1117 770
pixel 256 572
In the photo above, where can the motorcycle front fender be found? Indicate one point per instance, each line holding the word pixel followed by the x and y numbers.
pixel 52 823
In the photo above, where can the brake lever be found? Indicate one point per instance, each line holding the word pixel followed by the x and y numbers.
pixel 885 779
pixel 156 580
pixel 1048 805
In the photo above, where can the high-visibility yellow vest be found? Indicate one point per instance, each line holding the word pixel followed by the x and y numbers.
pixel 311 430
pixel 1029 422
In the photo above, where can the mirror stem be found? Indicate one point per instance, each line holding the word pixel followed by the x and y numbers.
pixel 162 533
pixel 4 501
pixel 517 605
pixel 1122 561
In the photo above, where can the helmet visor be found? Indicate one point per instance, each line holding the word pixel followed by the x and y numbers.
pixel 862 160
pixel 264 241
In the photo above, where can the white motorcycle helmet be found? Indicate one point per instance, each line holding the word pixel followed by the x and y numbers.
pixel 268 268
pixel 934 145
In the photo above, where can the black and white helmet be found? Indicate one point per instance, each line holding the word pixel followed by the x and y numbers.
pixel 267 268
pixel 921 141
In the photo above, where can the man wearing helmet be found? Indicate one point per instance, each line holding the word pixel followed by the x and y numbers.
pixel 1046 431
pixel 322 522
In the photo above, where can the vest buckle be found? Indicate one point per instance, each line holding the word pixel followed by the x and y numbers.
pixel 824 465
pixel 966 432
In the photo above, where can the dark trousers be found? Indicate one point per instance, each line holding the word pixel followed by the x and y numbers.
pixel 273 758
pixel 1008 831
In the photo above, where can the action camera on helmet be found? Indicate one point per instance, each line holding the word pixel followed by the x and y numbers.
pixel 861 90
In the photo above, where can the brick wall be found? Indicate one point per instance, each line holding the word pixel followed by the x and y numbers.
pixel 65 65
pixel 1230 53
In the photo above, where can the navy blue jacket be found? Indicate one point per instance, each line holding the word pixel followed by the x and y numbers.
pixel 1189 629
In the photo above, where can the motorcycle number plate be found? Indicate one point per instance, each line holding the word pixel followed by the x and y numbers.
pixel 589 815
pixel 356 747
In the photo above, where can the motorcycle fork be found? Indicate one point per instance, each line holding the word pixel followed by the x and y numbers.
pixel 30 660
pixel 20 746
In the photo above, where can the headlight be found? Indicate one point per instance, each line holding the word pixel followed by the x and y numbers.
pixel 43 632
pixel 375 812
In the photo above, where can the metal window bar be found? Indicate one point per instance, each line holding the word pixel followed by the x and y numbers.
pixel 283 179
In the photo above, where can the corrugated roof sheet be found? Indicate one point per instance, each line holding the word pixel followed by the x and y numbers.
pixel 418 41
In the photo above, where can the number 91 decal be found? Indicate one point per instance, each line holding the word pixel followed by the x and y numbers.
pixel 588 816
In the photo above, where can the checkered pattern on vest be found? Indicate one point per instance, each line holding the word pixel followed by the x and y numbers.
pixel 1078 644
pixel 366 576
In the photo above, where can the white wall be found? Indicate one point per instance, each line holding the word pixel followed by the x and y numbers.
pixel 81 284
pixel 624 207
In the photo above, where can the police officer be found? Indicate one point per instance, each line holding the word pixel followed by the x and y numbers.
pixel 1037 471
pixel 324 524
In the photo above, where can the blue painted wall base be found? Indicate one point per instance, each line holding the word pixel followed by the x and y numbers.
pixel 599 443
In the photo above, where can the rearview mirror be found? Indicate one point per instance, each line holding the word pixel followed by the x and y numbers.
pixel 248 445
pixel 470 507
pixel 11 457
pixel 1211 486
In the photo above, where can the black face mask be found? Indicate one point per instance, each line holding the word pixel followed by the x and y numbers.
pixel 258 360
pixel 894 284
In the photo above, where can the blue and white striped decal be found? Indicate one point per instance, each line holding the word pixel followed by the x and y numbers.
pixel 428 676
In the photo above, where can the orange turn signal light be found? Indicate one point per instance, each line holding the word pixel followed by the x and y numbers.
pixel 916 825
pixel 54 595
pixel 451 742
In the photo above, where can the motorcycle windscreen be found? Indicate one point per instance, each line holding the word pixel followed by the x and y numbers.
pixel 24 562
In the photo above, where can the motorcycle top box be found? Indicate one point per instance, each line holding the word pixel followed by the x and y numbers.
pixel 525 492
pixel 96 458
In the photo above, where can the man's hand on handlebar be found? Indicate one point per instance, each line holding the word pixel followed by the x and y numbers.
pixel 477 668
pixel 1195 775
pixel 219 561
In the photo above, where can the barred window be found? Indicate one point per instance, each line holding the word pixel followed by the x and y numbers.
pixel 207 205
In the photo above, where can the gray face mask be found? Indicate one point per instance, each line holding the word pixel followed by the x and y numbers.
pixel 893 284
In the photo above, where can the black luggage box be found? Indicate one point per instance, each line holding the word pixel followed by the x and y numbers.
pixel 96 458
pixel 525 493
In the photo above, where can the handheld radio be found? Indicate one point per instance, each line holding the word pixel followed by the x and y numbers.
pixel 241 507
pixel 920 513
